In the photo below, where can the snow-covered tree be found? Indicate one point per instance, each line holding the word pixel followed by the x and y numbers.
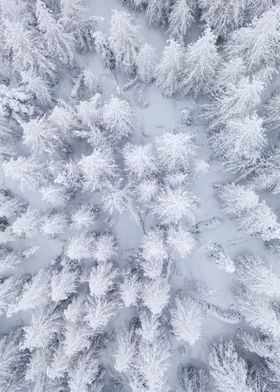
pixel 29 172
pixel 139 159
pixel 193 379
pixel 77 338
pixel 272 117
pixel 102 47
pixel 237 199
pixel 76 23
pixel 118 118
pixel 124 41
pixel 154 254
pixel 125 351
pixel 155 295
pixel 258 311
pixel 268 174
pixel 175 151
pixel 180 241
pixel 200 64
pixel 80 247
pixel 58 42
pixel 54 224
pixel 223 16
pixel 169 71
pixel 97 168
pixel 28 224
pixel 174 205
pixel 104 248
pixel 241 143
pixel 99 313
pixel 45 325
pixel 25 56
pixel 129 290
pixel 35 293
pixel 153 363
pixel 63 284
pixel 254 274
pixel 10 288
pixel 180 18
pixel 9 260
pixel 12 372
pixel 254 217
pixel 75 310
pixel 186 320
pixel 146 63
pixel 84 372
pixel 228 369
pixel 83 217
pixel 59 364
pixel 235 101
pixel 158 11
pixel 258 43
pixel 101 280
pixel 38 87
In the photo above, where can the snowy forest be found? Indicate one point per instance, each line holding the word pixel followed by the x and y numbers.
pixel 139 196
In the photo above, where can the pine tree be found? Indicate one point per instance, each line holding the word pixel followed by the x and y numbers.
pixel 139 160
pixel 54 224
pixel 155 295
pixel 180 241
pixel 44 327
pixel 29 173
pixel 118 118
pixel 83 372
pixel 169 71
pixel 80 247
pixel 12 372
pixel 175 151
pixel 154 254
pixel 35 293
pixel 146 63
pixel 258 43
pixel 77 338
pixel 101 280
pixel 241 143
pixel 223 16
pixel 58 42
pixel 124 41
pixel 158 11
pixel 193 379
pixel 97 168
pixel 228 370
pixel 153 363
pixel 77 24
pixel 235 101
pixel 99 313
pixel 174 205
pixel 186 320
pixel 180 19
pixel 63 284
pixel 125 352
pixel 201 64
pixel 254 274
pixel 27 225
pixel 129 290
pixel 258 311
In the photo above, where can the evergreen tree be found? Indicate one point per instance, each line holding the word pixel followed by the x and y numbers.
pixel 124 41
pixel 169 71
pixel 180 18
pixel 200 65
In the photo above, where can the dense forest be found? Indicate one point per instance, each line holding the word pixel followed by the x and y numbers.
pixel 139 196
